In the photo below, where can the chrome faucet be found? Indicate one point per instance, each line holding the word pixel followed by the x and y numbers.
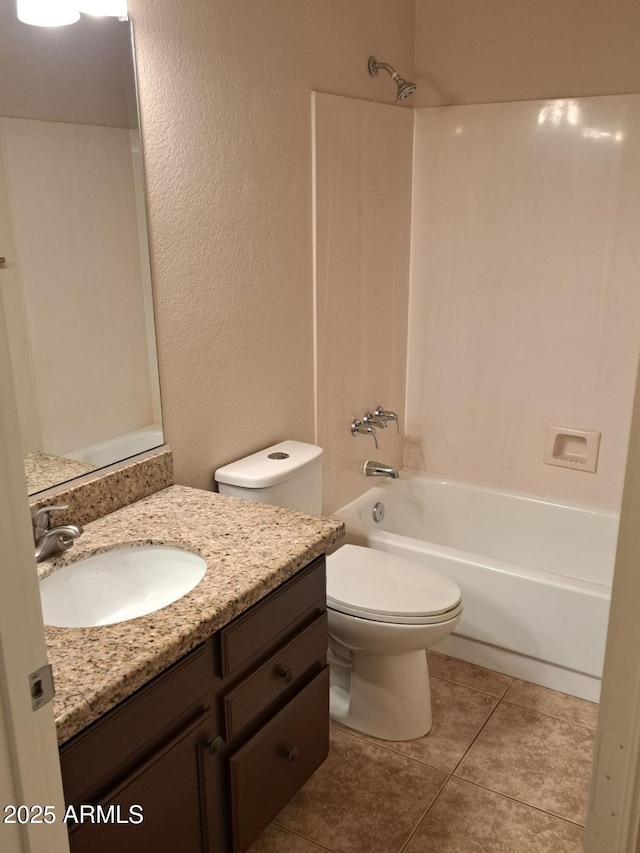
pixel 48 540
pixel 379 469
pixel 359 428
pixel 373 420
pixel 385 415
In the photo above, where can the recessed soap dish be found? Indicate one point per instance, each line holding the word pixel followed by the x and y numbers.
pixel 572 448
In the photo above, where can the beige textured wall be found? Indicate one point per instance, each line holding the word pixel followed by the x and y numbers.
pixel 500 50
pixel 363 228
pixel 225 91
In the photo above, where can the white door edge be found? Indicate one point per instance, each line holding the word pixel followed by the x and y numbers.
pixel 612 820
pixel 30 773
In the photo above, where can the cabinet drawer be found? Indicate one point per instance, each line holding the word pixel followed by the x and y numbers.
pixel 287 609
pixel 105 749
pixel 273 765
pixel 283 672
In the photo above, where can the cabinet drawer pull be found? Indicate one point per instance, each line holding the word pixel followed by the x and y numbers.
pixel 290 754
pixel 214 745
pixel 276 678
pixel 287 674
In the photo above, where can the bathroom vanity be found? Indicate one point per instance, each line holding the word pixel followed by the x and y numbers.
pixel 193 727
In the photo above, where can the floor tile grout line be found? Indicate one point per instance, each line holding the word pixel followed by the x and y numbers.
pixel 423 762
pixel 303 837
pixel 501 793
pixel 382 745
pixel 450 774
pixel 513 679
pixel 424 815
pixel 521 802
pixel 477 735
pixel 553 716
pixel 519 704
pixel 515 705
pixel 404 844
pixel 475 689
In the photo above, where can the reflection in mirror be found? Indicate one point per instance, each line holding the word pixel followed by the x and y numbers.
pixel 76 283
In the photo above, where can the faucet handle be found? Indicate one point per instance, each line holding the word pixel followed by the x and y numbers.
pixel 383 413
pixel 41 520
pixel 374 419
pixel 358 428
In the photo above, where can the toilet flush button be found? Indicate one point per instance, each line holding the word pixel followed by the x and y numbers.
pixel 278 455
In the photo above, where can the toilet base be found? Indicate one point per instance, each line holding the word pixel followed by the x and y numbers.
pixel 386 696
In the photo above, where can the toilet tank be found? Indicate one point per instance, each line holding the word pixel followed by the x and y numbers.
pixel 288 474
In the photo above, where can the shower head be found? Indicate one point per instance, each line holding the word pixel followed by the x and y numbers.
pixel 404 87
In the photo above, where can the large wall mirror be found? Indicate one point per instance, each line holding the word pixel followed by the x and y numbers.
pixel 75 280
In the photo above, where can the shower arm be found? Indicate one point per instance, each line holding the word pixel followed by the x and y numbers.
pixel 391 71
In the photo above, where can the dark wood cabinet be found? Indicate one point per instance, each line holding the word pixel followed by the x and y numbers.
pixel 164 804
pixel 204 756
pixel 268 770
pixel 278 678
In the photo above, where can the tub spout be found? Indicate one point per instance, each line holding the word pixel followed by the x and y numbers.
pixel 379 469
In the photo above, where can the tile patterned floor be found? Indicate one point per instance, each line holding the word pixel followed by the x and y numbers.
pixel 505 768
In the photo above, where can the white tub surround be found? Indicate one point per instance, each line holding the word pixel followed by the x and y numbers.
pixel 535 574
pixel 362 201
pixel 524 309
pixel 120 447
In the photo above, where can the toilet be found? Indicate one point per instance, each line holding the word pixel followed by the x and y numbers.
pixel 383 611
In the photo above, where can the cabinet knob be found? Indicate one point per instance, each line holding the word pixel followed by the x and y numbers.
pixel 290 754
pixel 214 745
pixel 287 674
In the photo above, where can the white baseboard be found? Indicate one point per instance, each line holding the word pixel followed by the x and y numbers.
pixel 521 666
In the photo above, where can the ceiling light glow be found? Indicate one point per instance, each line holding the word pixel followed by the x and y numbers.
pixel 47 13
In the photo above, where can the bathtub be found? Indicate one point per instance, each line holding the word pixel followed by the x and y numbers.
pixel 120 447
pixel 535 574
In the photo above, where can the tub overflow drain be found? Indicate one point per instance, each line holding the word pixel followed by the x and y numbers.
pixel 378 512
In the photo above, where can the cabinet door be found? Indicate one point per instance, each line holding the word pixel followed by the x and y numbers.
pixel 171 790
pixel 97 758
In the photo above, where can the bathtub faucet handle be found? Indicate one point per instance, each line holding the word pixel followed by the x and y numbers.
pixel 371 419
pixel 358 428
pixel 386 416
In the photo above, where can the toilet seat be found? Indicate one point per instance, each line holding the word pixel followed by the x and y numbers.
pixel 381 587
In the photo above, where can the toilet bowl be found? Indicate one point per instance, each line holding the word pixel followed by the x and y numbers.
pixel 384 612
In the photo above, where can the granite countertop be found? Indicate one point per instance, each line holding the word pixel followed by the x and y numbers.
pixel 250 549
pixel 44 470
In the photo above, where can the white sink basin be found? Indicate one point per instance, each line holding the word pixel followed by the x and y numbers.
pixel 118 585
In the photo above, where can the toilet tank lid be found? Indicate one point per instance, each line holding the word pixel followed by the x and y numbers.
pixel 273 465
